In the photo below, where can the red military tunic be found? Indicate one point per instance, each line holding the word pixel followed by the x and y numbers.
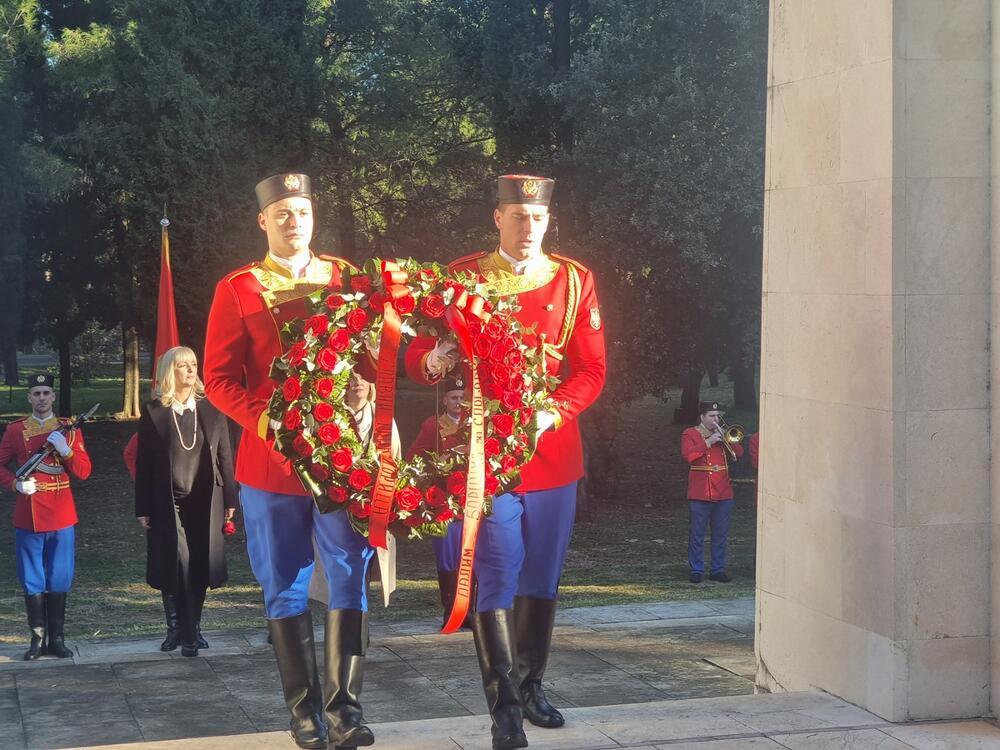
pixel 437 434
pixel 708 478
pixel 250 307
pixel 557 295
pixel 51 508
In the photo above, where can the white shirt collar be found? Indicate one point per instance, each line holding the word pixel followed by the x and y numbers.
pixel 43 420
pixel 453 419
pixel 519 266
pixel 180 408
pixel 296 267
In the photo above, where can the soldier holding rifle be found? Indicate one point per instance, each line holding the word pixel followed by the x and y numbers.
pixel 48 451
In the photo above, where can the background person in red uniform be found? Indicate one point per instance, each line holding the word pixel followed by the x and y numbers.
pixel 440 433
pixel 710 493
pixel 522 544
pixel 250 306
pixel 44 514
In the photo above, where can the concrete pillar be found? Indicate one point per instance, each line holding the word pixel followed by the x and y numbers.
pixel 874 555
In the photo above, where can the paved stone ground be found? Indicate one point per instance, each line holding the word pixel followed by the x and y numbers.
pixel 684 670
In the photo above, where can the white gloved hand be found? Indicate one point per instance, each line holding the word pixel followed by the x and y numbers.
pixel 544 420
pixel 58 441
pixel 275 424
pixel 441 358
pixel 26 486
pixel 373 350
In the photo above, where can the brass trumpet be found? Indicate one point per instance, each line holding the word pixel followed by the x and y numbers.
pixel 732 434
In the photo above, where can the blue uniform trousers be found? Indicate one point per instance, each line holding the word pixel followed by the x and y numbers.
pixel 448 548
pixel 522 546
pixel 45 559
pixel 280 530
pixel 719 514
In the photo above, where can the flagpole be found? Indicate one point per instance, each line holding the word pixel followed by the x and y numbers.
pixel 167 335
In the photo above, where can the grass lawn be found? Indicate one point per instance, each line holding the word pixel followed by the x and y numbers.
pixel 631 550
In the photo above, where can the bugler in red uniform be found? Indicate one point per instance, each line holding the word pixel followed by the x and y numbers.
pixel 557 295
pixel 52 507
pixel 708 478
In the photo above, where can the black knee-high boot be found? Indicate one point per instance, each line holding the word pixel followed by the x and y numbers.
pixel 55 608
pixel 533 623
pixel 34 604
pixel 197 604
pixel 494 636
pixel 170 613
pixel 346 645
pixel 295 650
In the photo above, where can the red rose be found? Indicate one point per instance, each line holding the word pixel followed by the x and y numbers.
pixel 292 389
pixel 334 301
pixel 329 434
pixel 342 459
pixel 408 498
pixel 359 479
pixel 432 306
pixel 526 413
pixel 492 485
pixel 475 328
pixel 361 284
pixel 357 320
pixel 228 528
pixel 497 352
pixel 509 343
pixel 508 464
pixel 493 330
pixel 445 515
pixel 319 473
pixel 482 347
pixel 493 391
pixel 324 387
pixel 360 510
pixel 327 359
pixel 516 360
pixel 503 425
pixel 456 483
pixel 404 305
pixel 302 446
pixel 491 447
pixel 511 400
pixel 500 373
pixel 436 496
pixel 337 494
pixel 377 301
pixel 293 419
pixel 297 354
pixel 317 324
pixel 323 411
pixel 413 521
pixel 339 340
pixel 516 383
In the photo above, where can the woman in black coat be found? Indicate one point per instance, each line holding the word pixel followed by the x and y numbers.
pixel 184 494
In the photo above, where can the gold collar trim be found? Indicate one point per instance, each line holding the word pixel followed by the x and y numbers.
pixel 501 279
pixel 33 427
pixel 280 287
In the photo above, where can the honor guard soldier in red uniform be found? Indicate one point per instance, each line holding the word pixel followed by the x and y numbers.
pixel 44 514
pixel 440 433
pixel 251 305
pixel 522 544
pixel 710 493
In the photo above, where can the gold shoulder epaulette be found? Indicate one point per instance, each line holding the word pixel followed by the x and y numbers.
pixel 240 271
pixel 579 266
pixel 469 257
pixel 342 262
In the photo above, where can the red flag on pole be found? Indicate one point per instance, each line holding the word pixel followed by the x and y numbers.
pixel 166 314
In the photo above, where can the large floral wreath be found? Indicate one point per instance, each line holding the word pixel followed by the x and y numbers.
pixel 317 432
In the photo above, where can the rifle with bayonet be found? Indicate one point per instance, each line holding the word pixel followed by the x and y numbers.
pixel 25 470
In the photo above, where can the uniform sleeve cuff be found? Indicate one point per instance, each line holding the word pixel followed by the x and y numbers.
pixel 559 419
pixel 425 371
pixel 263 424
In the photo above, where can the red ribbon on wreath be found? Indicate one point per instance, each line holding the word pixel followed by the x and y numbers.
pixel 395 283
pixel 457 315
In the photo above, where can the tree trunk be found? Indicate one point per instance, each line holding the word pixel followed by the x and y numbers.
pixel 744 388
pixel 713 374
pixel 10 372
pixel 130 374
pixel 65 377
pixel 687 413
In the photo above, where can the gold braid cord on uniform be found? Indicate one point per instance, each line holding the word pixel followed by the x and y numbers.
pixel 280 287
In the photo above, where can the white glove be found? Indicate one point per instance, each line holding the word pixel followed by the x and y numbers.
pixel 26 486
pixel 544 420
pixel 373 350
pixel 275 424
pixel 441 358
pixel 58 441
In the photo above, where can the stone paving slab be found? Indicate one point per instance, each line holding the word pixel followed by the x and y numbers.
pixel 702 724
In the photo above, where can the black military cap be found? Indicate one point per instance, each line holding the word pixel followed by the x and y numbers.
pixel 452 384
pixel 284 185
pixel 522 188
pixel 706 406
pixel 46 379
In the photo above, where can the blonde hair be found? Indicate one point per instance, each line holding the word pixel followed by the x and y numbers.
pixel 166 387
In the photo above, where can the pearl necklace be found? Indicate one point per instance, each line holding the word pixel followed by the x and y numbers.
pixel 177 426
